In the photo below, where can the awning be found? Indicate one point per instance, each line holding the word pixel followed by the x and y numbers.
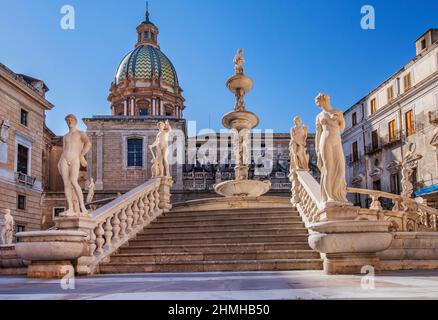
pixel 427 190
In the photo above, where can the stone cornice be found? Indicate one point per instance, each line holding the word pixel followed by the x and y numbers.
pixel 26 88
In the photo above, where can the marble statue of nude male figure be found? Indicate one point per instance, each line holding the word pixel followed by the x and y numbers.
pixel 76 145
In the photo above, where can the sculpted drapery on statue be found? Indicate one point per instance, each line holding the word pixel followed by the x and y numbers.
pixel 299 158
pixel 160 164
pixel 8 228
pixel 331 161
pixel 409 163
pixel 76 145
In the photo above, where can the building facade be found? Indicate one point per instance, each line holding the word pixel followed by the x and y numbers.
pixel 22 117
pixel 399 112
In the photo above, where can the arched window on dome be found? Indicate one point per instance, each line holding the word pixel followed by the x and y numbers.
pixel 143 108
pixel 146 35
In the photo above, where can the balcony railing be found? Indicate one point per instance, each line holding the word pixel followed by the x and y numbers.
pixel 24 179
pixel 391 139
pixel 351 160
pixel 373 148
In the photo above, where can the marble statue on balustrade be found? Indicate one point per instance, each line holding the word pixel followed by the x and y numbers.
pixel 407 169
pixel 76 145
pixel 7 228
pixel 91 190
pixel 331 160
pixel 160 150
pixel 299 159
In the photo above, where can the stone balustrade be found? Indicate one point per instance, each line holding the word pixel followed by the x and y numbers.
pixel 97 236
pixel 407 215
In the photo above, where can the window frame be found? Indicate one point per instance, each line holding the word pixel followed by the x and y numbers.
pixel 409 123
pixel 354 119
pixel 373 106
pixel 19 196
pixel 127 153
pixel 26 117
pixel 407 85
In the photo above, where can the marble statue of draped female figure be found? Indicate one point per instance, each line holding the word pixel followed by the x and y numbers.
pixel 331 160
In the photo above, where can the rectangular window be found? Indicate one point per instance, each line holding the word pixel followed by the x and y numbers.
pixel 390 93
pixel 354 118
pixel 22 159
pixel 355 151
pixel 395 183
pixel 375 139
pixel 21 202
pixel 409 122
pixel 135 152
pixel 373 105
pixel 143 112
pixel 391 130
pixel 407 82
pixel 24 117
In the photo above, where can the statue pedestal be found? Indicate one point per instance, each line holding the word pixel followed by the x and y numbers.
pixel 349 245
pixel 164 191
pixel 83 224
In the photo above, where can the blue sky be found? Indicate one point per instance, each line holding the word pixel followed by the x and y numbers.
pixel 294 49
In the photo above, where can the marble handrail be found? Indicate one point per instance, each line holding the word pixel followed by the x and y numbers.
pixel 306 196
pixel 120 220
pixel 407 214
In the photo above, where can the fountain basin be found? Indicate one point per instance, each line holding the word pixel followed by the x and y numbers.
pixel 240 120
pixel 51 252
pixel 239 81
pixel 242 188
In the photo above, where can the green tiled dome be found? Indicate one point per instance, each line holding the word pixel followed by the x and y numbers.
pixel 146 62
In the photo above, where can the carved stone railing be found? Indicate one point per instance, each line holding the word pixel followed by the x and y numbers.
pixel 407 215
pixel 306 196
pixel 114 224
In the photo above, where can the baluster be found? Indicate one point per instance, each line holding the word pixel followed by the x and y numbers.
pixel 129 219
pixel 140 210
pixel 151 204
pixel 123 223
pixel 99 238
pixel 375 204
pixel 157 201
pixel 136 214
pixel 108 233
pixel 146 207
pixel 116 227
pixel 92 242
pixel 397 204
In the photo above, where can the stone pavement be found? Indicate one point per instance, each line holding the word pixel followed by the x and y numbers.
pixel 229 286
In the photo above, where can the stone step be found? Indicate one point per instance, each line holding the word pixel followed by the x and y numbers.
pixel 222 225
pixel 246 219
pixel 192 213
pixel 213 256
pixel 218 247
pixel 213 266
pixel 235 238
pixel 13 271
pixel 225 232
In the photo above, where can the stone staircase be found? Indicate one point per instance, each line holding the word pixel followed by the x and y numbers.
pixel 200 239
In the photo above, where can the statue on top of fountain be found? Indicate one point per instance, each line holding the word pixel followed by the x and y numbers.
pixel 238 62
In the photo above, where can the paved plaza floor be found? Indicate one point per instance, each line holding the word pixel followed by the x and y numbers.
pixel 229 286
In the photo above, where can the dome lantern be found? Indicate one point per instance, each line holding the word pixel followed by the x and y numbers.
pixel 147 33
